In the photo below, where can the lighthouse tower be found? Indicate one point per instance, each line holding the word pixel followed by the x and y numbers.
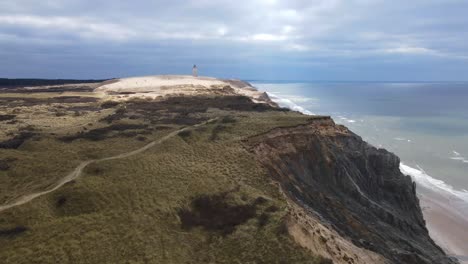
pixel 195 71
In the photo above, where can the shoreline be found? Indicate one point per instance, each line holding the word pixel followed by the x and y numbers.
pixel 447 226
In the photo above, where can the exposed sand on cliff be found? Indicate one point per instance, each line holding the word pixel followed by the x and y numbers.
pixel 164 85
pixel 158 83
pixel 311 233
pixel 447 226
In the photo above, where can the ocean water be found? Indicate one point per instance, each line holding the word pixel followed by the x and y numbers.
pixel 425 124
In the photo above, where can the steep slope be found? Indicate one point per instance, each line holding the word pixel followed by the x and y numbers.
pixel 251 183
pixel 197 197
pixel 351 187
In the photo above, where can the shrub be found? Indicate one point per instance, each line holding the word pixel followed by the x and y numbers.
pixel 228 119
pixel 214 213
pixel 7 117
pixel 109 104
pixel 102 133
pixel 12 232
pixel 16 141
pixel 185 134
pixel 215 133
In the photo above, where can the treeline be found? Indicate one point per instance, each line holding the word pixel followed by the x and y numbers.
pixel 7 83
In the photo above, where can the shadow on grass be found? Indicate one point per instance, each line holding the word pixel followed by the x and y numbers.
pixel 16 141
pixel 13 232
pixel 214 213
pixel 103 133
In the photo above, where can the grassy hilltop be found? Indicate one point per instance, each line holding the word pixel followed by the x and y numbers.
pixel 198 197
pixel 177 169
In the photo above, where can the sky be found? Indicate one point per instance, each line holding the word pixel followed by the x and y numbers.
pixel 335 40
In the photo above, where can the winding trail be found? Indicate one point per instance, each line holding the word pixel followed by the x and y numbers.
pixel 79 169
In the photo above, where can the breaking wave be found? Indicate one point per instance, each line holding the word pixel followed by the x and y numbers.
pixel 402 139
pixel 345 119
pixel 457 156
pixel 422 178
pixel 283 102
pixel 418 175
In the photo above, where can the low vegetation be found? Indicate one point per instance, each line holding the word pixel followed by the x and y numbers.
pixel 19 101
pixel 109 104
pixel 13 232
pixel 198 197
pixel 16 141
pixel 4 164
pixel 7 117
pixel 106 132
pixel 17 83
pixel 214 213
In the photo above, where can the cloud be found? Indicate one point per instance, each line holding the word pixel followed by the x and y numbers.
pixel 411 50
pixel 290 14
pixel 298 32
pixel 408 50
pixel 297 47
pixel 85 28
pixel 267 37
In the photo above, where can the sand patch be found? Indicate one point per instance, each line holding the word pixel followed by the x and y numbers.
pixel 171 85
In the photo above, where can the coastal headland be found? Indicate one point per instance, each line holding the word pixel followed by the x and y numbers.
pixel 181 169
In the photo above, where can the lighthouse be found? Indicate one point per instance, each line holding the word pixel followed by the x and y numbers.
pixel 195 71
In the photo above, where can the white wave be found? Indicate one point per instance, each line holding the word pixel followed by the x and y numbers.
pixel 462 159
pixel 284 102
pixel 458 157
pixel 421 169
pixel 402 139
pixel 299 99
pixel 418 175
pixel 345 119
pixel 422 178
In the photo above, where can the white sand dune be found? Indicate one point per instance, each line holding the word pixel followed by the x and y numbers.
pixel 163 85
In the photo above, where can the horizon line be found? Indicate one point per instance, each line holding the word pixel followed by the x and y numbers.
pixel 255 80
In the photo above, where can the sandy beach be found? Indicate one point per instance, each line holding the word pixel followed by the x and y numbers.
pixel 447 222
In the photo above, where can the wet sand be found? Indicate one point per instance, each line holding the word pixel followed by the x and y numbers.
pixel 447 222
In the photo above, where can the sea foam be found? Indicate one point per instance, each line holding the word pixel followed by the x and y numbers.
pixel 458 157
pixel 439 186
pixel 418 175
pixel 283 102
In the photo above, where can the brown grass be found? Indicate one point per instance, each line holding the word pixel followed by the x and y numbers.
pixel 188 200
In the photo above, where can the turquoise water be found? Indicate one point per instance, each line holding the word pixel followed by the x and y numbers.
pixel 425 124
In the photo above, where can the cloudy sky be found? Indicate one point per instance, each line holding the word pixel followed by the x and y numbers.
pixel 373 40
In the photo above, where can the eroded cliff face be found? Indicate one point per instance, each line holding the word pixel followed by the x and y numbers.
pixel 351 188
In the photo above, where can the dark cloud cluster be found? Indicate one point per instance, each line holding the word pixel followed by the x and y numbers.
pixel 301 39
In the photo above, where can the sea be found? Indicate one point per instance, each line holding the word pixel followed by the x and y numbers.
pixel 424 123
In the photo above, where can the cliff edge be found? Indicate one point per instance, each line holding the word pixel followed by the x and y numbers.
pixel 349 186
pixel 176 169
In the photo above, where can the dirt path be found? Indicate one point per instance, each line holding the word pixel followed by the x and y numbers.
pixel 79 169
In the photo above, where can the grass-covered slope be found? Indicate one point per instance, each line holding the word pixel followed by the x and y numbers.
pixel 13 83
pixel 198 197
